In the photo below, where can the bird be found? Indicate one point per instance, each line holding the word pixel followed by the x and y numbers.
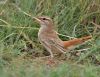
pixel 49 38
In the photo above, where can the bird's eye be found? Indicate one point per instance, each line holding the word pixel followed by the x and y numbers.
pixel 44 18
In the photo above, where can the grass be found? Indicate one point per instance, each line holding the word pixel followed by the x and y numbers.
pixel 18 37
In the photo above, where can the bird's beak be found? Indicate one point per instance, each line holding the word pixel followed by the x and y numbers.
pixel 37 19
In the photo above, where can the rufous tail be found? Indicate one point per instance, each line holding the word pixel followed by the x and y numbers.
pixel 76 41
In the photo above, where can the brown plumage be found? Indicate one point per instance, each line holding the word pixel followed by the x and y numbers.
pixel 75 41
pixel 50 40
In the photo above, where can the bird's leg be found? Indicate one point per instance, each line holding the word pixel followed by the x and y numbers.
pixel 48 47
pixel 51 59
pixel 51 54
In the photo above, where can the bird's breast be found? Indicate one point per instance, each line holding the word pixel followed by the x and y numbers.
pixel 46 33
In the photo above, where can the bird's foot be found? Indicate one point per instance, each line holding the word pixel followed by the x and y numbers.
pixel 51 62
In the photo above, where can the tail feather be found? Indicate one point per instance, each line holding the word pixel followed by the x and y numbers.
pixel 77 41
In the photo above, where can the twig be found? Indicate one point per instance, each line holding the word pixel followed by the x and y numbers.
pixel 3 2
pixel 5 22
pixel 7 36
pixel 98 26
pixel 1 12
pixel 20 27
pixel 28 39
pixel 83 49
pixel 22 11
pixel 65 35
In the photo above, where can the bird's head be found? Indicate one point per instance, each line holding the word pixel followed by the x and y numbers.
pixel 44 21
